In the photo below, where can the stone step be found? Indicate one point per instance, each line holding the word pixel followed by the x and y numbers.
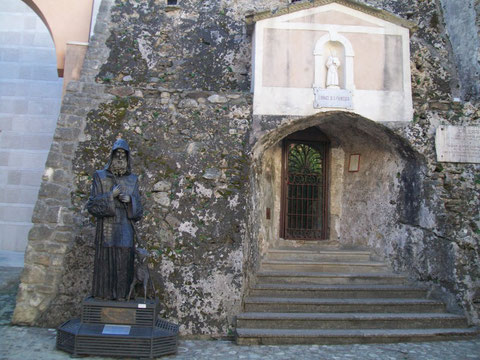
pixel 280 304
pixel 334 296
pixel 262 320
pixel 337 291
pixel 358 336
pixel 324 266
pixel 304 277
pixel 317 255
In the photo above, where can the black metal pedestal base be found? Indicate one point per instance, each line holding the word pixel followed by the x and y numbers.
pixel 133 330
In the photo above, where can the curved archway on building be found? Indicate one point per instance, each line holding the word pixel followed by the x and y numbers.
pixel 365 203
pixel 29 114
pixel 67 21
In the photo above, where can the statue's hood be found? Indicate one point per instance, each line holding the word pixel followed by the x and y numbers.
pixel 120 144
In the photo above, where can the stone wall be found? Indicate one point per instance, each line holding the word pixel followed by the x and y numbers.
pixel 461 24
pixel 174 82
pixel 53 235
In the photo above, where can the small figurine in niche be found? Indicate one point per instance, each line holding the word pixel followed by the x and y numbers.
pixel 333 64
pixel 115 202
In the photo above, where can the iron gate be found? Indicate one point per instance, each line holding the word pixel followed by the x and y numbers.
pixel 304 205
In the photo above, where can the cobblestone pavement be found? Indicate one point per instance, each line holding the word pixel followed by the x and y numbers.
pixel 25 343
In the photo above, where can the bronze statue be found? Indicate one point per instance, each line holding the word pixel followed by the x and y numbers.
pixel 115 202
pixel 142 273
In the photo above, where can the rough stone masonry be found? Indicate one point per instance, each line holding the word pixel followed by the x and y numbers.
pixel 174 81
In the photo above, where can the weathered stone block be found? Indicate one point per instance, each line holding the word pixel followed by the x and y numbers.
pixel 74 86
pixel 49 190
pixel 45 289
pixel 162 198
pixel 121 91
pixel 68 149
pixel 61 176
pixel 34 274
pixel 439 105
pixel 187 104
pixel 62 119
pixel 93 88
pixel 41 232
pixel 217 99
pixel 162 186
pixel 64 237
pixel 172 221
pixel 40 259
pixel 66 216
pixel 68 109
pixel 24 314
pixel 45 214
pixel 67 134
pixel 55 160
pixel 74 121
pixel 55 247
pixel 56 259
pixel 212 174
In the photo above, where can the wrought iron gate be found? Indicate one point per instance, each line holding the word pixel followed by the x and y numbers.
pixel 304 190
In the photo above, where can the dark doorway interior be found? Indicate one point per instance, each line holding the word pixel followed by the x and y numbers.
pixel 304 186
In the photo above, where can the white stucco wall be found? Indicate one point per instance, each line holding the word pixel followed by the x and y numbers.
pixel 290 53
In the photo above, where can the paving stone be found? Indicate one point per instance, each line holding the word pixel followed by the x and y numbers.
pixel 39 343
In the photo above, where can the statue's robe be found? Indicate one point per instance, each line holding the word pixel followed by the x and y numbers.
pixel 114 237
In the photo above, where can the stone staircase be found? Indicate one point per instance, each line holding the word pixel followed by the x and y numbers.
pixel 334 296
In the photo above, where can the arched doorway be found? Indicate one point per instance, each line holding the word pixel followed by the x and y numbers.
pixel 359 207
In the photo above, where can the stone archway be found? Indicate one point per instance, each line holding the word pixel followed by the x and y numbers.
pixel 364 206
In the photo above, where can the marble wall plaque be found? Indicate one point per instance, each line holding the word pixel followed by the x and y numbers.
pixel 109 329
pixel 332 98
pixel 459 144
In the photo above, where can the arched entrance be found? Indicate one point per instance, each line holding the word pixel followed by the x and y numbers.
pixel 362 206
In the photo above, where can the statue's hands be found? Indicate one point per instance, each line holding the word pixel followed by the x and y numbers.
pixel 124 198
pixel 116 191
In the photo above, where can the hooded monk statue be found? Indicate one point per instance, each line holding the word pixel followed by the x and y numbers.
pixel 115 202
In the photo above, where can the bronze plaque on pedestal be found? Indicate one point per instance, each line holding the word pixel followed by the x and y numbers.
pixel 111 315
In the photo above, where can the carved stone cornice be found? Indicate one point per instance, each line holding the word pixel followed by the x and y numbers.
pixel 298 6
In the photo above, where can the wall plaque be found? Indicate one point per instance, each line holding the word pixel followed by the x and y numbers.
pixel 332 98
pixel 117 315
pixel 354 163
pixel 458 144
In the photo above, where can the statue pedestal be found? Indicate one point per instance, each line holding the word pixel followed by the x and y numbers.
pixel 115 328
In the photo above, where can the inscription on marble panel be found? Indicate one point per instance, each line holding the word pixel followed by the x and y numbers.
pixel 458 144
pixel 332 98
pixel 116 329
